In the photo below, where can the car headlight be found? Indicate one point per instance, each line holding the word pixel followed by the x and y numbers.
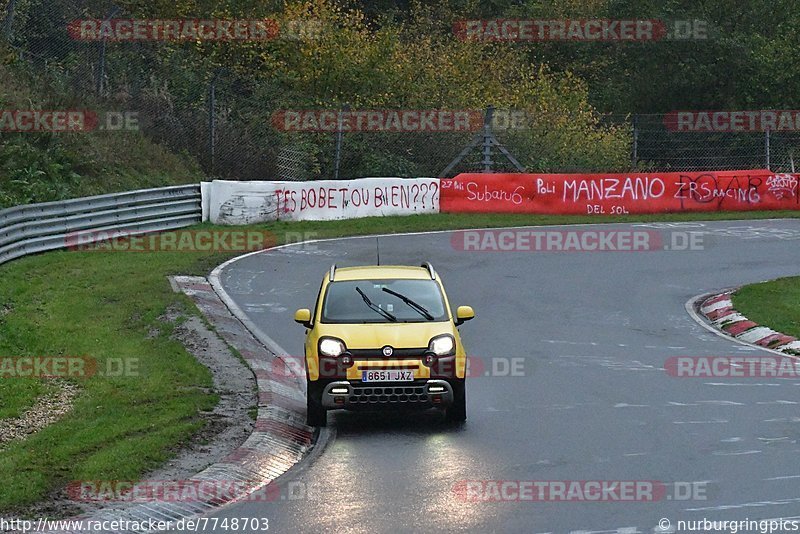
pixel 330 346
pixel 442 345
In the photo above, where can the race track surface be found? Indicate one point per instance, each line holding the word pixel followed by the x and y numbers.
pixel 593 402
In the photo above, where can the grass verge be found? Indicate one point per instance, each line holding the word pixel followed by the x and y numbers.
pixel 106 305
pixel 775 304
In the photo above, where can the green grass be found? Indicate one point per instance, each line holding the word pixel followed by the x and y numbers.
pixel 100 305
pixel 775 304
pixel 105 305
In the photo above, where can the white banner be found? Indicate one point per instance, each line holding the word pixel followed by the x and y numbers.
pixel 254 202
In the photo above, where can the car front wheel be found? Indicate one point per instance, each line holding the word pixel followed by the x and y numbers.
pixel 316 414
pixel 457 412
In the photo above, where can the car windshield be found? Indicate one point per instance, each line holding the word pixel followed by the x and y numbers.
pixel 383 301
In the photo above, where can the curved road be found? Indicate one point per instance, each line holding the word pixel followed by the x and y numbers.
pixel 592 401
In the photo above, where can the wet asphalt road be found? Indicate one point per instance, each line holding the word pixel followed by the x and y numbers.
pixel 593 331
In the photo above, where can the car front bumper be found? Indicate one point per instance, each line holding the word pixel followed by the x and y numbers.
pixel 376 395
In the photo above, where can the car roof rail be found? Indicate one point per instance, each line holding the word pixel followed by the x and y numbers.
pixel 332 272
pixel 428 266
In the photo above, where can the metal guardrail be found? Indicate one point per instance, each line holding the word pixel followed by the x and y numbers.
pixel 37 228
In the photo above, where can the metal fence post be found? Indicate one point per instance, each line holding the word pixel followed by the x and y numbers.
pixel 635 147
pixel 8 21
pixel 101 64
pixel 212 121
pixel 487 140
pixel 766 148
pixel 339 137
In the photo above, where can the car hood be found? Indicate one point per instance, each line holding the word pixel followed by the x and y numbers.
pixel 397 335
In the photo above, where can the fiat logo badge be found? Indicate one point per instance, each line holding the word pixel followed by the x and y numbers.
pixel 388 351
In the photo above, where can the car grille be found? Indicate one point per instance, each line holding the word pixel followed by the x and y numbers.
pixel 399 354
pixel 388 394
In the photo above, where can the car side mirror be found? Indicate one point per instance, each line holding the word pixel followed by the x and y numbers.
pixel 303 317
pixel 464 314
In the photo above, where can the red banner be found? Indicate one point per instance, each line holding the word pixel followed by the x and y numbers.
pixel 616 194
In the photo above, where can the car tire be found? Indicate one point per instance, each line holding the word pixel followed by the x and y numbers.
pixel 457 412
pixel 316 414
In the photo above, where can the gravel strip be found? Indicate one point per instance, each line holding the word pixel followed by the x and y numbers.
pixel 47 409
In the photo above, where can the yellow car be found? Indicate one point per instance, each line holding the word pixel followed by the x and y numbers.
pixel 384 337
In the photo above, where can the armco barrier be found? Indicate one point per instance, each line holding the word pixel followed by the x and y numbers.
pixel 617 194
pixel 40 227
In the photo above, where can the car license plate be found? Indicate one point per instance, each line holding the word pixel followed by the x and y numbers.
pixel 391 375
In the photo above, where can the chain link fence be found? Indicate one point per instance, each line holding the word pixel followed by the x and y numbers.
pixel 225 120
pixel 658 145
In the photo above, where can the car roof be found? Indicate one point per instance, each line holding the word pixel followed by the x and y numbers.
pixel 380 272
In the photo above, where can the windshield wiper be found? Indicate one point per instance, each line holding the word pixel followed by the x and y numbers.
pixel 419 308
pixel 375 308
